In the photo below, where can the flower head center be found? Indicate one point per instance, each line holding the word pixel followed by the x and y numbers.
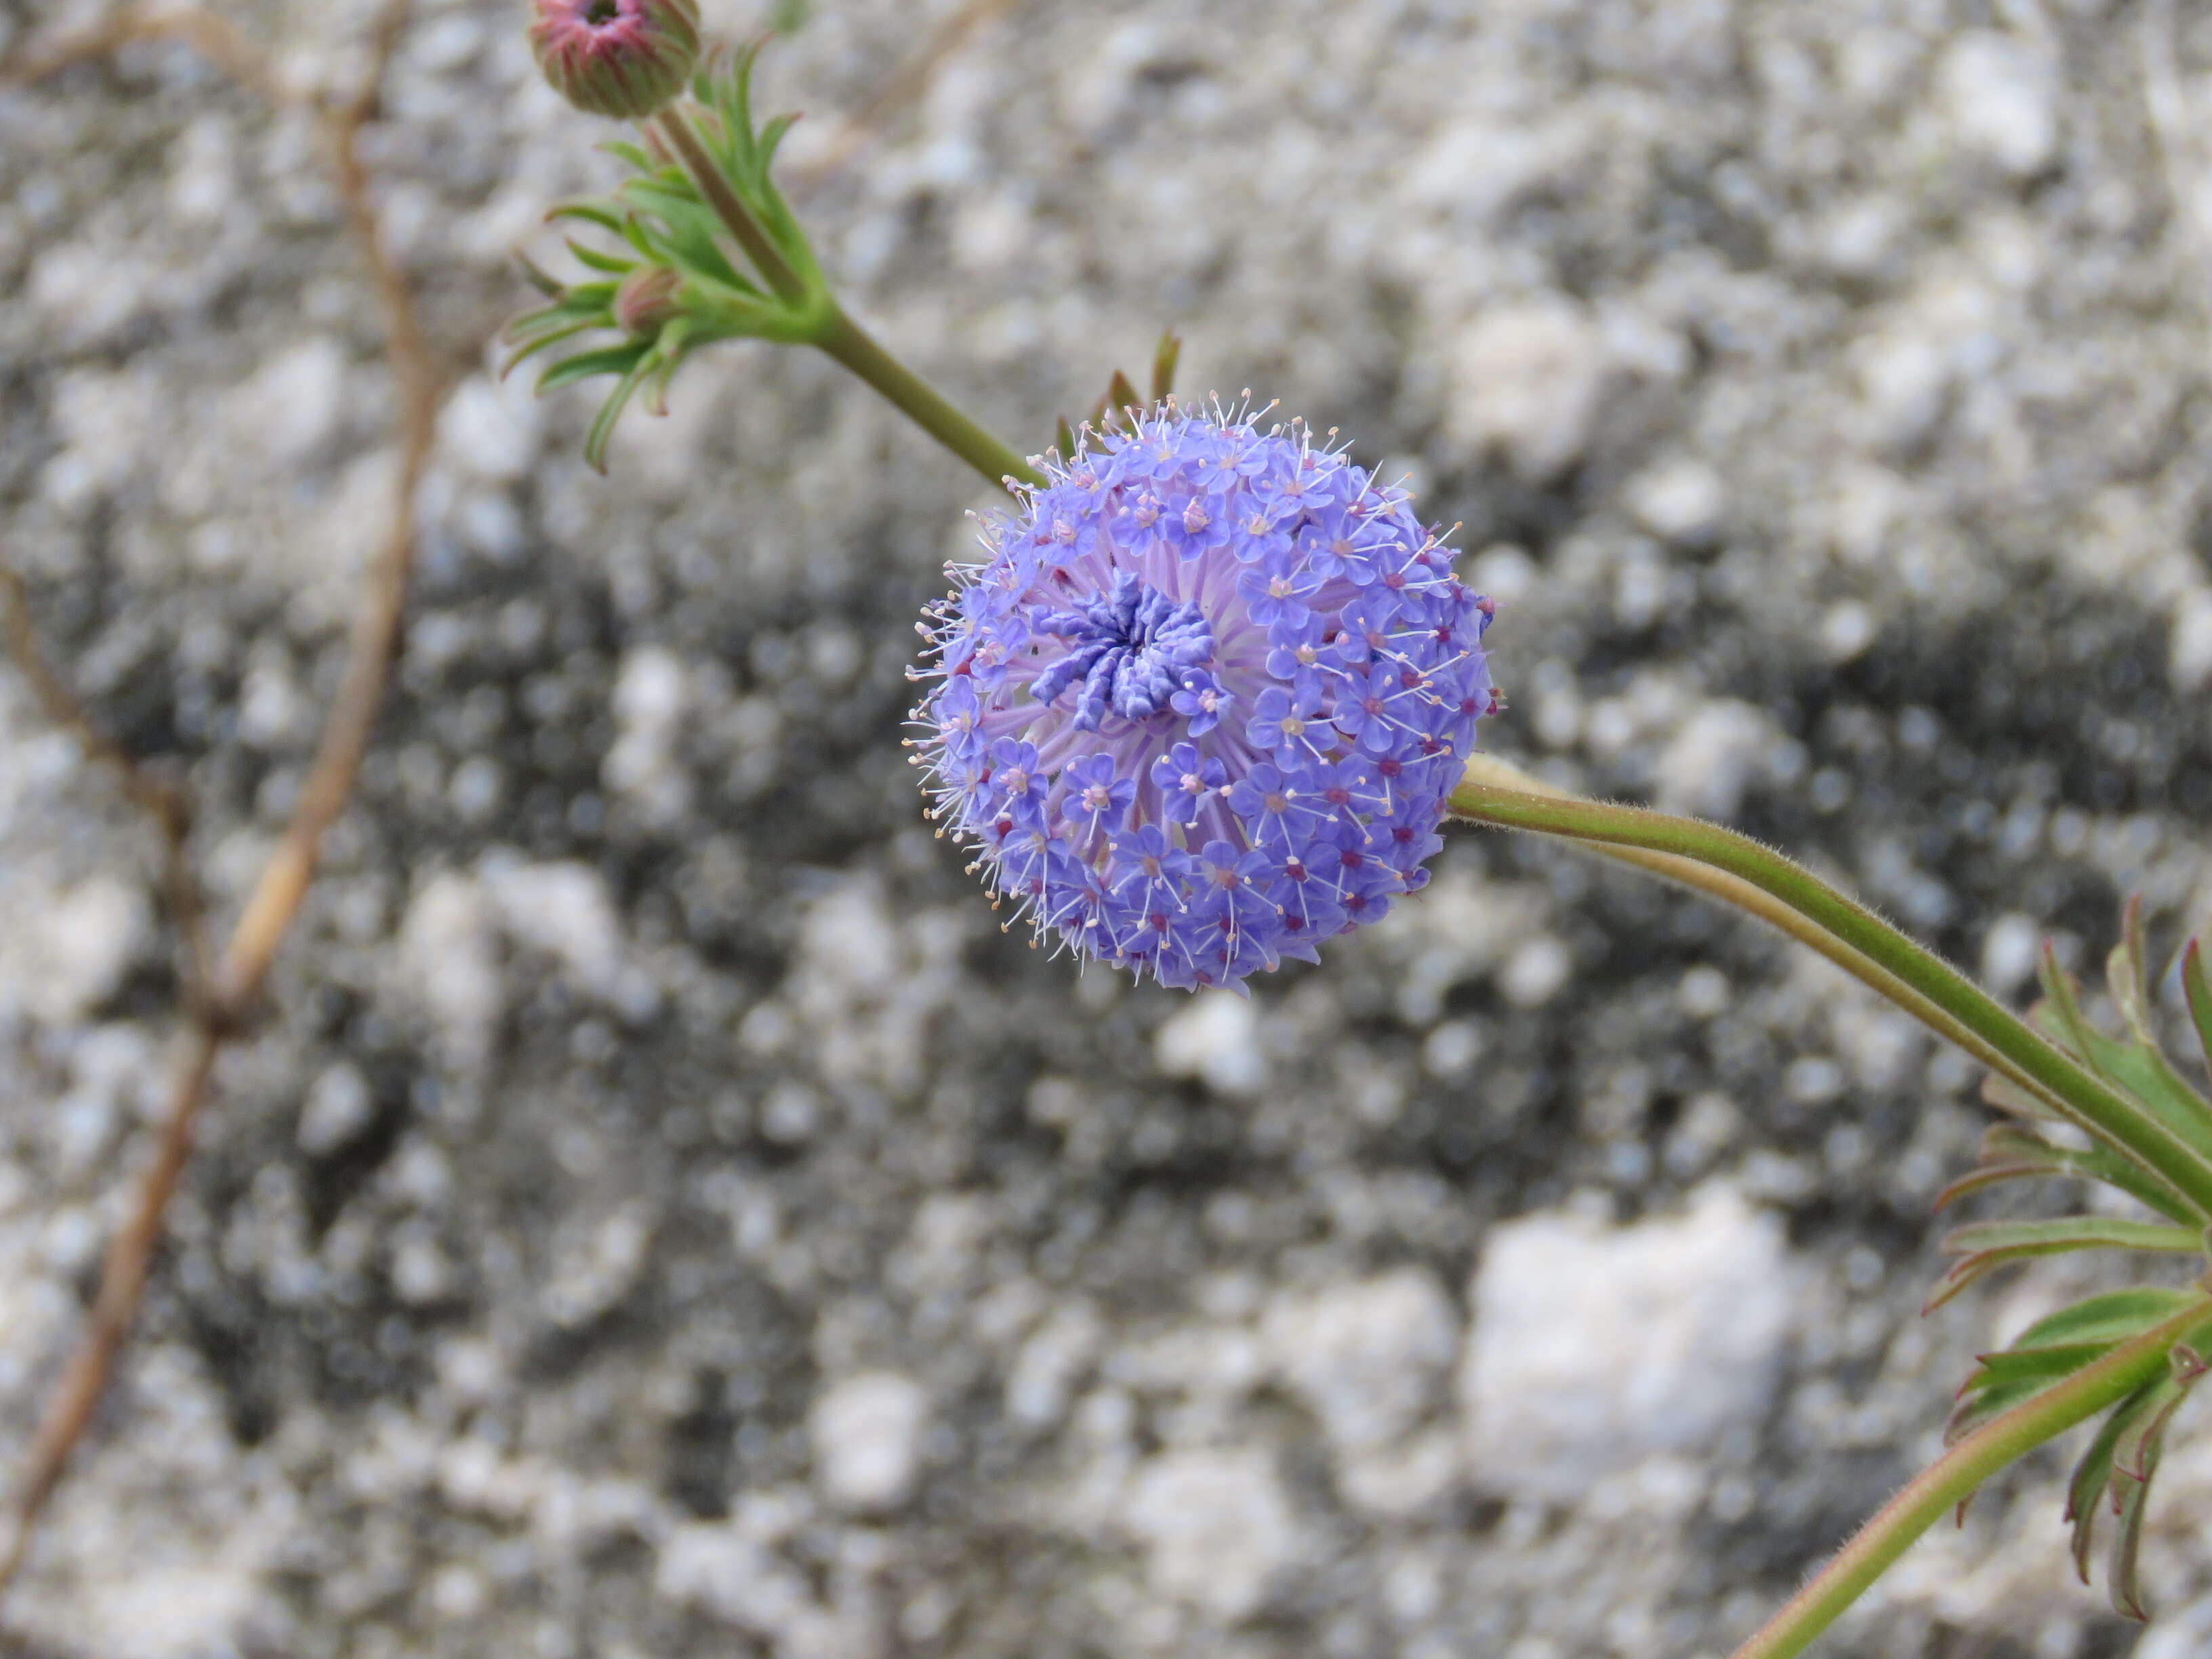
pixel 1130 650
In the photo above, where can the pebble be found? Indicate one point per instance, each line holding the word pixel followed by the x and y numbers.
pixel 1595 1348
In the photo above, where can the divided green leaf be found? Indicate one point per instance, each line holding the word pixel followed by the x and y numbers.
pixel 2012 1153
pixel 2197 986
pixel 1991 1244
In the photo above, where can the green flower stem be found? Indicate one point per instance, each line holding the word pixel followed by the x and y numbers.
pixel 919 402
pixel 1741 895
pixel 1953 1477
pixel 674 128
pixel 831 328
pixel 2093 1105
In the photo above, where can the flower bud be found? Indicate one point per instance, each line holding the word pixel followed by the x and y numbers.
pixel 625 59
pixel 647 299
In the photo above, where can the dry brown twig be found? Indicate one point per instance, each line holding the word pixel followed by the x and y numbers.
pixel 221 995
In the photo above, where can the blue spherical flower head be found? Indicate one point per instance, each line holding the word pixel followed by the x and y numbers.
pixel 1200 708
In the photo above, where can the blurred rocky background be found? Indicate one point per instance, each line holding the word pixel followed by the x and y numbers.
pixel 662 1213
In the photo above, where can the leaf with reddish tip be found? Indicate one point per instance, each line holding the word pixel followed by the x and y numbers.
pixel 2130 1497
pixel 2196 985
pixel 2136 1449
pixel 611 264
pixel 1974 1410
pixel 2135 1063
pixel 590 210
pixel 614 360
pixel 2092 1478
pixel 1165 355
pixel 2053 1349
pixel 2145 1073
pixel 2011 1154
pixel 2002 1094
pixel 1124 403
pixel 1992 1244
pixel 2054 1345
pixel 2059 1015
pixel 2127 974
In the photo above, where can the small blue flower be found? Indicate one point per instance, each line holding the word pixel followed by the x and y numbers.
pixel 1200 707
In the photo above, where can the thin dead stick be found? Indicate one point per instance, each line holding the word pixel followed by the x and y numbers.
pixel 161 800
pixel 210 33
pixel 215 1018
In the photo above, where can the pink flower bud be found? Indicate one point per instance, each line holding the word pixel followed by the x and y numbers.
pixel 648 299
pixel 621 57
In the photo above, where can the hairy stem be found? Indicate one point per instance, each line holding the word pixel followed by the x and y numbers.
pixel 676 131
pixel 1953 1477
pixel 1740 894
pixel 836 333
pixel 921 402
pixel 2093 1105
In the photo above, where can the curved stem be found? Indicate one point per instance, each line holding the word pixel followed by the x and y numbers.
pixel 1742 896
pixel 2097 1107
pixel 675 129
pixel 1952 1477
pixel 919 402
pixel 830 328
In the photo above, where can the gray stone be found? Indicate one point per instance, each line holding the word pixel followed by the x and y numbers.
pixel 1819 391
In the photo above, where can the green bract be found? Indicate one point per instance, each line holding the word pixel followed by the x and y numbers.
pixel 669 224
pixel 2115 1470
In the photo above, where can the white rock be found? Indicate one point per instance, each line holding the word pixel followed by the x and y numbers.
pixel 1476 168
pixel 86 292
pixel 2191 663
pixel 2008 951
pixel 1504 572
pixel 1710 761
pixel 85 946
pixel 271 712
pixel 725 1575
pixel 651 695
pixel 339 1107
pixel 2183 1632
pixel 287 411
pixel 2001 94
pixel 103 420
pixel 1537 971
pixel 1595 1348
pixel 1847 628
pixel 447 964
pixel 848 939
pixel 867 1434
pixel 595 1267
pixel 1367 1356
pixel 476 788
pixel 790 1113
pixel 1528 379
pixel 1399 1481
pixel 1905 376
pixel 564 909
pixel 1681 502
pixel 202 172
pixel 1451 1049
pixel 488 431
pixel 1214 1037
pixel 1218 1527
pixel 1051 1362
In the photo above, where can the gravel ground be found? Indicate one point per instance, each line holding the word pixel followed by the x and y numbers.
pixel 662 1214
